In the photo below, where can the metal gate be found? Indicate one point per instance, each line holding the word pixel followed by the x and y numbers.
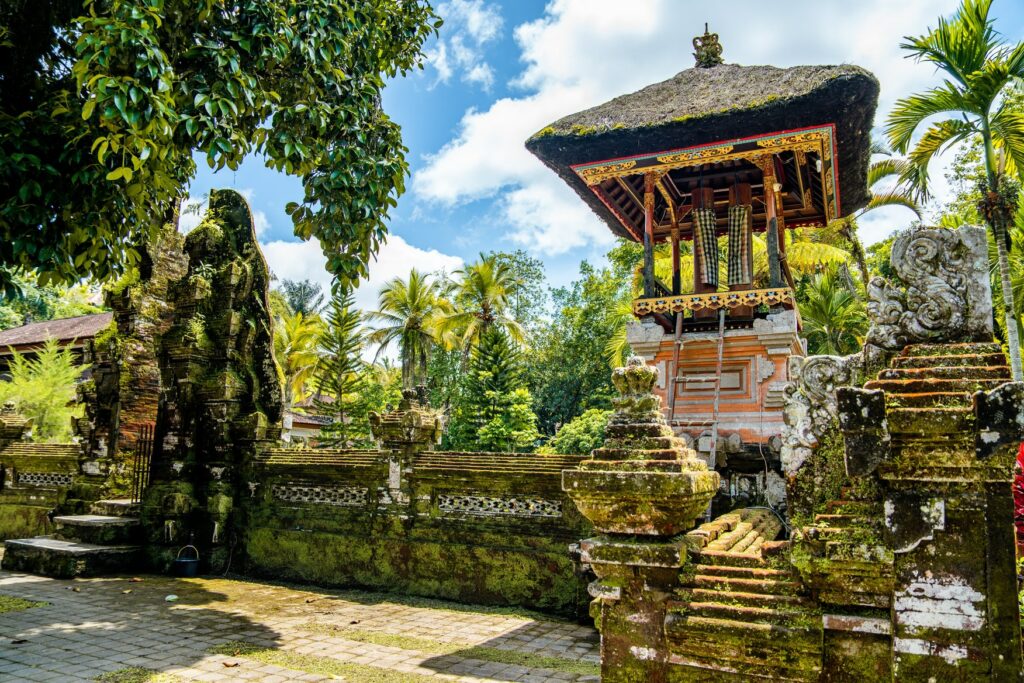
pixel 143 462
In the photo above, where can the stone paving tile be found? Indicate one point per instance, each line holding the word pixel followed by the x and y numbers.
pixel 90 626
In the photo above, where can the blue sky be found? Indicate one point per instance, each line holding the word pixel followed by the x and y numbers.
pixel 499 71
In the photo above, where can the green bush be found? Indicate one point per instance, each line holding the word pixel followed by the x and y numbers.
pixel 580 435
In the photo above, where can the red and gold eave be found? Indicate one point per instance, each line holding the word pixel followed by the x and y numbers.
pixel 812 143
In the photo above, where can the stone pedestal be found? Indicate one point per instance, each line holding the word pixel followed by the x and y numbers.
pixel 642 490
pixel 411 429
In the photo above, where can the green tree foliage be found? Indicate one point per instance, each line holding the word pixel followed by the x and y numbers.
pixel 980 68
pixel 42 389
pixel 341 391
pixel 104 103
pixel 279 307
pixel 494 412
pixel 295 347
pixel 482 299
pixel 579 436
pixel 528 296
pixel 834 317
pixel 409 314
pixel 568 365
pixel 305 296
pixel 32 303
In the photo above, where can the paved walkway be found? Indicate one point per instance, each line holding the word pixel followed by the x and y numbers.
pixel 124 630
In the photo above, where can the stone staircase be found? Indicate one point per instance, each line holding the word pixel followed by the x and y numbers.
pixel 738 613
pixel 102 542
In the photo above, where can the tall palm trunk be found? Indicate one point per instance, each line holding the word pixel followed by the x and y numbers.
pixel 1012 338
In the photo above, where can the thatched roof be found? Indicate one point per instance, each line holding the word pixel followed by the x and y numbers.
pixel 706 105
pixel 65 330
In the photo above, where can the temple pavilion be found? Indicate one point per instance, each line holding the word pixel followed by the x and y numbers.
pixel 710 170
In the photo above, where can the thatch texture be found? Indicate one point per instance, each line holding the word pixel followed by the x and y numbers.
pixel 706 105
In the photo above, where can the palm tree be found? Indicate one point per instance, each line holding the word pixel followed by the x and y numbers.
pixel 295 346
pixel 482 300
pixel 979 67
pixel 409 313
pixel 907 192
pixel 834 318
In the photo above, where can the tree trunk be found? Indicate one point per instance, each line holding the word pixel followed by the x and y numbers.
pixel 1012 338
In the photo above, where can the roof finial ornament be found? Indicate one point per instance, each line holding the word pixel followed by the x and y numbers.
pixel 708 49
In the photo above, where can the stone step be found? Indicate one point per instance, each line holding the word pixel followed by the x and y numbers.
pixel 920 386
pixel 749 650
pixel 741 585
pixel 948 372
pixel 729 558
pixel 47 556
pixel 743 613
pixel 754 572
pixel 749 543
pixel 740 598
pixel 116 507
pixel 967 359
pixel 917 350
pixel 931 399
pixel 851 507
pixel 97 529
pixel 930 421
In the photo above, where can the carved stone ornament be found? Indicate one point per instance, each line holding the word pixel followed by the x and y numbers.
pixel 810 410
pixel 945 297
pixel 708 51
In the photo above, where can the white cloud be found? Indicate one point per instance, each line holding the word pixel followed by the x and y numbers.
pixel 584 52
pixel 292 260
pixel 481 74
pixel 469 25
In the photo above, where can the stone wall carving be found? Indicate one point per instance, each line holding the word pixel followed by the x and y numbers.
pixel 45 479
pixel 320 495
pixel 492 505
pixel 810 412
pixel 944 295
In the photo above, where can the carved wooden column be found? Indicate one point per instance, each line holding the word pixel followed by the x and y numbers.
pixel 649 290
pixel 771 234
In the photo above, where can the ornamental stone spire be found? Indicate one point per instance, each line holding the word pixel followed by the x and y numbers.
pixel 708 49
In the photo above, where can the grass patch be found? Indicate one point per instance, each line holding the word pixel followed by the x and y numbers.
pixel 9 603
pixel 323 666
pixel 136 674
pixel 466 650
pixel 369 597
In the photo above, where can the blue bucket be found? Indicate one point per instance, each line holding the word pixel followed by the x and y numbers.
pixel 187 567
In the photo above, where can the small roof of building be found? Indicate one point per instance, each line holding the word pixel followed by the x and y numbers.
pixel 64 330
pixel 702 106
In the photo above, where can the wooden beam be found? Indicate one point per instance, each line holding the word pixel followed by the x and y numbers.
pixel 668 199
pixel 677 283
pixel 649 234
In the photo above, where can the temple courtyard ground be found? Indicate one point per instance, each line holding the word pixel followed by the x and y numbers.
pixel 160 630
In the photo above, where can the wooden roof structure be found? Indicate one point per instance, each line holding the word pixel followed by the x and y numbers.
pixel 807 127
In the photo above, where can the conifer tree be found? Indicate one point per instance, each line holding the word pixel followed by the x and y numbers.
pixel 495 411
pixel 339 377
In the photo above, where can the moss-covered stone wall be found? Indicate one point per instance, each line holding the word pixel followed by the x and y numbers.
pixel 473 527
pixel 34 480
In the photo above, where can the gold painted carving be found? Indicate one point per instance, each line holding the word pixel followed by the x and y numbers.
pixel 712 301
pixel 597 174
pixel 703 154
